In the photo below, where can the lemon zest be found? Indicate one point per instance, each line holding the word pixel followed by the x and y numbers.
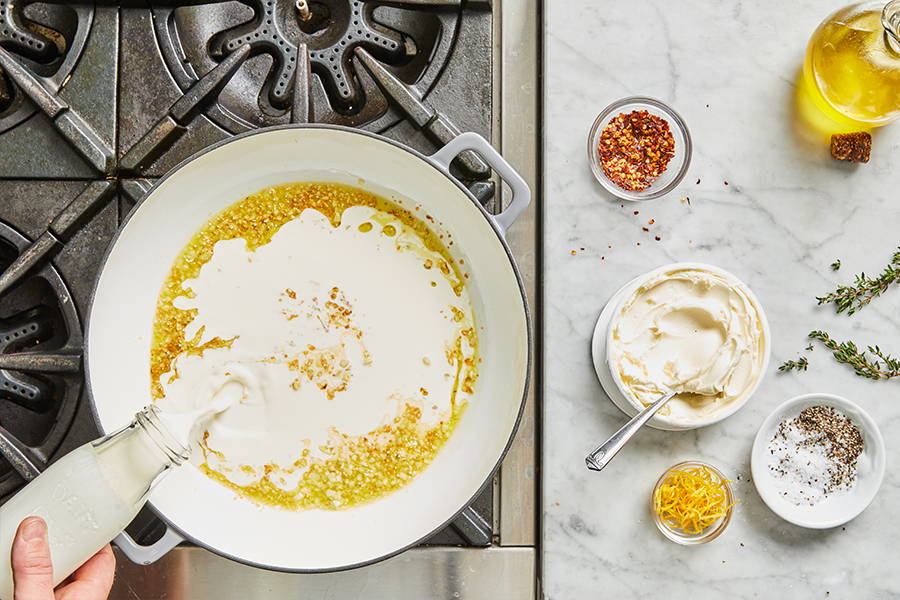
pixel 692 499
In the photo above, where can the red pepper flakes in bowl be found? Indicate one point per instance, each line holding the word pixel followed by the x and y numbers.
pixel 635 148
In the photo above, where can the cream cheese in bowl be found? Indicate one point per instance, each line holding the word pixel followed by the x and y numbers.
pixel 690 328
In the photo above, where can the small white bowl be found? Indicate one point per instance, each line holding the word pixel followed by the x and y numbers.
pixel 836 509
pixel 612 384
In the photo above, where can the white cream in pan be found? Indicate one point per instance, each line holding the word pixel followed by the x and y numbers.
pixel 336 331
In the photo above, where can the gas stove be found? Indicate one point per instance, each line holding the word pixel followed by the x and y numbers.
pixel 98 100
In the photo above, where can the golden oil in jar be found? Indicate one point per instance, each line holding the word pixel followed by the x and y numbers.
pixel 852 66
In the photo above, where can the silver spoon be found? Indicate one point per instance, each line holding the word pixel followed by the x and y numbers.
pixel 605 452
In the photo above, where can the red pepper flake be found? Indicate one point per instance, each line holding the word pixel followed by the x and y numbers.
pixel 573 253
pixel 638 243
pixel 698 181
pixel 657 238
pixel 602 258
pixel 645 229
pixel 635 148
pixel 652 221
pixel 726 183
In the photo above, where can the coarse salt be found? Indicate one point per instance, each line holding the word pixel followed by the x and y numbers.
pixel 813 456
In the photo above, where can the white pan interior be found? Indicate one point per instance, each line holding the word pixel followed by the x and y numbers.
pixel 121 321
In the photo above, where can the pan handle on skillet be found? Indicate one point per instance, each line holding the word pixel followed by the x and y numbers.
pixel 521 195
pixel 145 555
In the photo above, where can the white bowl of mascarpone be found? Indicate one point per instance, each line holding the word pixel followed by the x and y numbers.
pixel 689 327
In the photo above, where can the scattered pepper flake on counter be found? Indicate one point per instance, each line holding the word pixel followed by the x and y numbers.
pixel 635 148
pixel 692 499
pixel 852 147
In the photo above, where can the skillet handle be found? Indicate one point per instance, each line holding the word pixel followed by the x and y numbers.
pixel 145 555
pixel 521 195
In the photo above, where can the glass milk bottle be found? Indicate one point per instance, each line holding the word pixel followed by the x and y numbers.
pixel 852 66
pixel 89 495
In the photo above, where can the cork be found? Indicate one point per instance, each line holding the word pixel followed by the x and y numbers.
pixel 852 147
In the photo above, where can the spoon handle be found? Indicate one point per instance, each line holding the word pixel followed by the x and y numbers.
pixel 604 453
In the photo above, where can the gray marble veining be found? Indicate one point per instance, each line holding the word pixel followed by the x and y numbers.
pixel 786 213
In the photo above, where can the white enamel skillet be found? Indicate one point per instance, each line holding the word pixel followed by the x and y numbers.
pixel 122 312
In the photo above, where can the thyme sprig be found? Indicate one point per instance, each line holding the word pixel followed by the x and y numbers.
pixel 851 298
pixel 882 366
pixel 801 364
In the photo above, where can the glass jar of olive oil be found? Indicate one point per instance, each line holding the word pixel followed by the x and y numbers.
pixel 852 66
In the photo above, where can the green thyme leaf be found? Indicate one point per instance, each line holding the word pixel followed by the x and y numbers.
pixel 801 364
pixel 851 298
pixel 877 364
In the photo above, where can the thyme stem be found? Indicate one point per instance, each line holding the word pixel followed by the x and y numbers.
pixel 851 298
pixel 801 364
pixel 882 366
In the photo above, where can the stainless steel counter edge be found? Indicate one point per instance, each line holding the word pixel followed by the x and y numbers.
pixel 425 572
pixel 519 88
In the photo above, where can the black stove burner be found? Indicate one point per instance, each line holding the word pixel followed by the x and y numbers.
pixel 331 31
pixel 5 92
pixel 413 38
pixel 48 38
pixel 32 41
pixel 19 332
pixel 40 379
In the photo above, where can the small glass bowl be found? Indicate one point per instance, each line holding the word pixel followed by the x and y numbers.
pixel 677 167
pixel 708 534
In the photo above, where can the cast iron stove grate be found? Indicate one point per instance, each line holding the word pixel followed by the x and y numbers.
pixel 40 365
pixel 49 38
pixel 349 62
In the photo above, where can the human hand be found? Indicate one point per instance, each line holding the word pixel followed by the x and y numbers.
pixel 33 571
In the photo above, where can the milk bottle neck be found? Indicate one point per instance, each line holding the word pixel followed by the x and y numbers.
pixel 149 422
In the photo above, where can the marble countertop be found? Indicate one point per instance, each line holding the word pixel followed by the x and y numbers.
pixel 786 213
